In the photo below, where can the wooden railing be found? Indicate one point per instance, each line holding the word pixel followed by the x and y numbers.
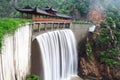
pixel 51 20
pixel 41 25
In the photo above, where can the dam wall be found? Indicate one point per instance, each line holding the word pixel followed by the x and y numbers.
pixel 80 31
pixel 15 57
pixel 15 54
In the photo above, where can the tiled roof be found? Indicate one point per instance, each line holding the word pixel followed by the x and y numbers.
pixel 42 11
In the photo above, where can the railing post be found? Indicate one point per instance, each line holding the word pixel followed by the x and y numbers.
pixel 32 28
pixel 52 26
pixel 70 25
pixel 45 27
pixel 39 27
pixel 64 25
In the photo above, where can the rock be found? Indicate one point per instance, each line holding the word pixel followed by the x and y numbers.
pixel 76 78
pixel 116 73
pixel 88 68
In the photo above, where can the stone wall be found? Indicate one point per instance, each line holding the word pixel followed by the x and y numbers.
pixel 80 31
pixel 15 55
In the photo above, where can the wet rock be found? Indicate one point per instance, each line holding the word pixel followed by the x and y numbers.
pixel 88 68
pixel 116 73
pixel 76 78
pixel 117 76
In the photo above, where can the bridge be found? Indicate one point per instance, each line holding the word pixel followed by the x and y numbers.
pixel 41 26
pixel 45 19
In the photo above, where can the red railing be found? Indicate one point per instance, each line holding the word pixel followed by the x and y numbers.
pixel 51 20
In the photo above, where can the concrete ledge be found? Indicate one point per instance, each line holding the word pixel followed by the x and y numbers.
pixel 76 78
pixel 80 30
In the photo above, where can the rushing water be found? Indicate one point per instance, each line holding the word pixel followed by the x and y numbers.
pixel 15 55
pixel 58 50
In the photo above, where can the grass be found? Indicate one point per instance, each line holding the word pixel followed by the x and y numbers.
pixel 9 26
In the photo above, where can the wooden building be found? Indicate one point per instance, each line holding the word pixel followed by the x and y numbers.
pixel 42 14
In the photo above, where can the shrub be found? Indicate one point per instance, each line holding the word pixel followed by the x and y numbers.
pixel 103 38
pixel 110 22
pixel 89 50
pixel 109 57
pixel 8 26
pixel 32 77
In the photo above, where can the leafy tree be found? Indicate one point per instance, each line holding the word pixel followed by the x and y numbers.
pixel 64 6
pixel 5 8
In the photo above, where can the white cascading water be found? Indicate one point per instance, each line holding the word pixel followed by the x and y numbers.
pixel 58 50
pixel 15 55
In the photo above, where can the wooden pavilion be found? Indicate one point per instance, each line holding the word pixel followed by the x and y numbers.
pixel 42 14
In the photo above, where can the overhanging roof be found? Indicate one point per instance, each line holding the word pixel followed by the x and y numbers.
pixel 42 11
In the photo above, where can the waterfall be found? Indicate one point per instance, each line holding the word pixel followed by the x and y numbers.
pixel 59 56
pixel 15 55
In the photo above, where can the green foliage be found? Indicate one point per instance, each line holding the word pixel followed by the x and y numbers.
pixel 110 53
pixel 83 6
pixel 103 24
pixel 113 16
pixel 6 8
pixel 8 26
pixel 16 15
pixel 118 37
pixel 105 41
pixel 109 62
pixel 104 37
pixel 89 50
pixel 64 6
pixel 33 77
pixel 110 21
pixel 109 57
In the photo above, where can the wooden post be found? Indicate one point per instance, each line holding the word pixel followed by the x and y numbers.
pixel 45 27
pixel 32 28
pixel 58 25
pixel 68 25
pixel 38 27
pixel 52 26
pixel 63 25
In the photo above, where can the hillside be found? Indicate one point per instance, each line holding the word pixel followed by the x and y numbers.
pixel 75 8
pixel 99 52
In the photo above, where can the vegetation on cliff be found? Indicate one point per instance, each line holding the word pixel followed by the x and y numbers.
pixel 8 26
pixel 80 7
pixel 109 38
pixel 102 48
pixel 100 58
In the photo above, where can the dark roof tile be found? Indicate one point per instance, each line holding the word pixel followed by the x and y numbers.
pixel 42 11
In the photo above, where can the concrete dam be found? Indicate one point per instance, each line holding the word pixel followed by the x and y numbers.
pixel 46 52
